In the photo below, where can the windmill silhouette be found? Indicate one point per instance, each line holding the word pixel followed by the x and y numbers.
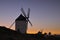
pixel 21 21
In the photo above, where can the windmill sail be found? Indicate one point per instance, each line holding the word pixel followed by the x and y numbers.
pixel 28 14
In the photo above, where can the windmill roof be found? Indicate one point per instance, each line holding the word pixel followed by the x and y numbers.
pixel 21 18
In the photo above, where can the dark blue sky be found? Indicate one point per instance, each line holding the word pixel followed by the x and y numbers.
pixel 45 14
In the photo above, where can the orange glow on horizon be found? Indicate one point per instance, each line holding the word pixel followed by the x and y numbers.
pixel 34 31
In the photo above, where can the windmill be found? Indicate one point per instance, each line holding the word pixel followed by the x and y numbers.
pixel 21 21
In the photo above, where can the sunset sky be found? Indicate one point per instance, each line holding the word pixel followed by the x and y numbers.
pixel 44 14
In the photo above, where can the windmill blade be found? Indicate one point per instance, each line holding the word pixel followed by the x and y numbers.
pixel 28 12
pixel 29 21
pixel 23 12
pixel 12 24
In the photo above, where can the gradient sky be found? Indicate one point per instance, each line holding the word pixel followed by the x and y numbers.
pixel 44 15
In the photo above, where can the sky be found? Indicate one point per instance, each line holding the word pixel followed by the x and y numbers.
pixel 44 14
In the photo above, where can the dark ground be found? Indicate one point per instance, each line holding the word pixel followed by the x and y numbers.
pixel 8 34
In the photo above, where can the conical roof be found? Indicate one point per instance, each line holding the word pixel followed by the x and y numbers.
pixel 21 18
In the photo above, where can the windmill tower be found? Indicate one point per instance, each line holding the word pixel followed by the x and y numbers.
pixel 21 22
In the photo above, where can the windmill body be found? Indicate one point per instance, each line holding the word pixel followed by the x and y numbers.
pixel 21 24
